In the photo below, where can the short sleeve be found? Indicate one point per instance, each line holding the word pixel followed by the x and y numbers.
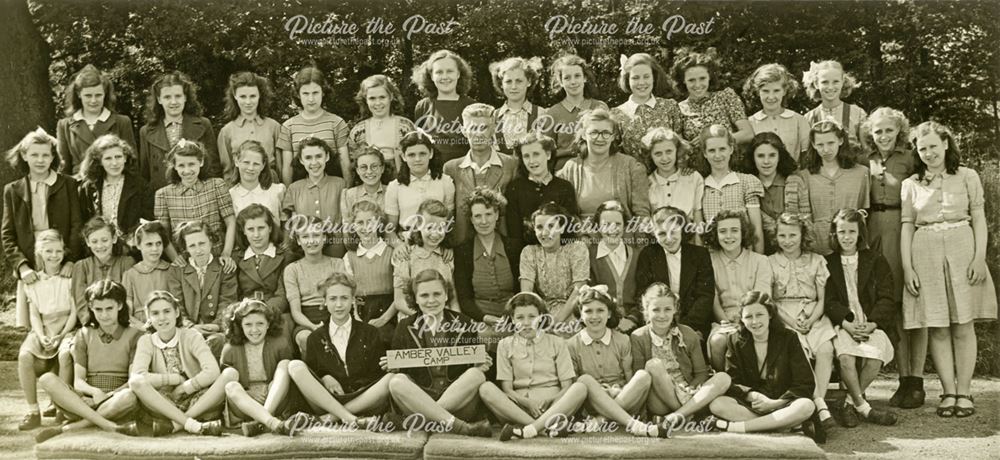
pixel 356 136
pixel 803 133
pixel 579 257
pixel 347 267
pixel 527 265
pixel 448 186
pixel 753 190
pixel 564 363
pixel 864 199
pixel 907 212
pixel 822 272
pixel 735 111
pixel 392 199
pixel 400 270
pixel 341 132
pixel 160 211
pixel 223 199
pixel 974 187
pixel 80 348
pixel 699 191
pixel 285 137
pixel 504 370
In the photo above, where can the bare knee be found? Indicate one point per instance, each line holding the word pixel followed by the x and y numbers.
pixel 940 333
pixel 48 381
pixel 26 359
pixel 297 368
pixel 718 405
pixel 825 351
pixel 846 361
pixel 655 366
pixel 803 407
pixel 230 374
pixel 963 331
pixel 721 379
pixel 283 365
pixel 127 398
pixel 642 378
pixel 233 388
pixel 476 375
pixel 487 391
pixel 587 379
pixel 138 382
pixel 399 383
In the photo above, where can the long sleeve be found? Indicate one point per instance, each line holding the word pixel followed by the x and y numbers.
pixel 228 294
pixel 699 315
pixel 883 312
pixel 208 367
pixel 803 383
pixel 63 148
pixel 8 231
pixel 639 188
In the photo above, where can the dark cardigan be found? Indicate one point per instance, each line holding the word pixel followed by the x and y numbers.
pixel 874 290
pixel 364 348
pixel 697 282
pixel 461 332
pixel 17 232
pixel 464 266
pixel 787 374
pixel 275 350
pixel 136 202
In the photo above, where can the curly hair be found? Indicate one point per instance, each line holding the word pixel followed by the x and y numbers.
pixel 662 86
pixel 786 164
pixel 711 235
pixel 190 228
pixel 106 290
pixel 186 148
pixel 236 312
pixel 952 156
pixel 487 197
pixel 532 68
pixel 590 90
pixel 430 207
pixel 765 75
pixel 554 210
pixel 858 216
pixel 168 297
pixel 424 81
pixel 257 211
pixel 353 239
pixel 525 299
pixel 686 58
pixel 96 224
pixel 266 177
pixel 845 155
pixel 655 291
pixel 810 79
pixel 805 229
pixel 366 150
pixel 248 79
pixel 588 294
pixel 658 134
pixel 885 113
pixel 436 165
pixel 426 276
pixel 590 117
pixel 89 76
pixel 151 228
pixel 395 96
pixel 715 132
pixel 154 111
pixel 548 144
pixel 39 137
pixel 91 169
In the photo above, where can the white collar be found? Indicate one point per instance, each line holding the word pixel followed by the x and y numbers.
pixel 427 178
pixel 242 191
pixel 849 260
pixel 105 114
pixel 673 255
pixel 270 252
pixel 585 104
pixel 603 249
pixel 334 328
pixel 201 269
pixel 242 120
pixel 468 162
pixel 730 179
pixel 372 252
pixel 660 180
pixel 50 181
pixel 587 339
pixel 504 109
pixel 630 106
pixel 761 116
pixel 659 341
pixel 159 343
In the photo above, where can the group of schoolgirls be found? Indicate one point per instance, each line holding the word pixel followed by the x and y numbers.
pixel 845 305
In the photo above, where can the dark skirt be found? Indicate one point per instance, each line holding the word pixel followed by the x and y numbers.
pixel 373 306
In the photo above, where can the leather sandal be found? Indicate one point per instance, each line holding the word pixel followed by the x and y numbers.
pixel 962 412
pixel 947 411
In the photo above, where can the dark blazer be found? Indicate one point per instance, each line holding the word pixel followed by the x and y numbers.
pixel 364 348
pixel 75 137
pixel 207 300
pixel 464 266
pixel 874 290
pixel 697 282
pixel 154 146
pixel 269 280
pixel 136 202
pixel 787 374
pixel 691 360
pixel 276 349
pixel 17 233
pixel 602 272
pixel 407 335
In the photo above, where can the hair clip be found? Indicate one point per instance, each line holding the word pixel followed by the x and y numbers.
pixel 600 288
pixel 864 213
pixel 622 59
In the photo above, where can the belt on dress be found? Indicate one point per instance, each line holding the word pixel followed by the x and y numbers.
pixel 942 226
pixel 878 207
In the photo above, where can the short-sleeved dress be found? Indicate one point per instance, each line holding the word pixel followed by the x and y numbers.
pixel 792 128
pixel 106 357
pixel 944 246
pixel 403 201
pixel 636 119
pixel 848 188
pixel 206 200
pixel 404 268
pixel 329 127
pixel 553 273
pixel 850 116
pixel 684 192
pixel 384 135
pixel 607 358
pixel 52 296
pixel 796 287
pixel 536 366
pixel 301 286
pixel 721 107
pixel 749 271
pixel 785 194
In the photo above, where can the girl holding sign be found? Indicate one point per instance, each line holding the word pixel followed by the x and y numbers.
pixel 342 374
pixel 445 395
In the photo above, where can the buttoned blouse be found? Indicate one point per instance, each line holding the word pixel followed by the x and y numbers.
pixel 538 363
pixel 684 192
pixel 943 198
pixel 887 175
pixel 792 128
pixel 404 200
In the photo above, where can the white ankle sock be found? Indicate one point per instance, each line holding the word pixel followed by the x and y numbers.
pixel 192 426
pixel 527 432
pixel 863 409
pixel 820 405
pixel 737 427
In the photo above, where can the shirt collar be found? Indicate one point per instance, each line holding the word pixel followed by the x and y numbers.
pixel 372 252
pixel 730 179
pixel 587 339
pixel 105 114
pixel 243 119
pixel 660 180
pixel 241 191
pixel 427 178
pixel 603 249
pixel 673 256
pixel 630 106
pixel 851 260
pixel 421 252
pixel 197 186
pixel 467 162
pixel 201 269
pixel 159 343
pixel 761 116
pixel 145 269
pixel 380 190
pixel 548 178
pixel 50 181
pixel 318 184
pixel 504 109
pixel 270 252
pixel 171 121
pixel 346 328
pixel 674 333
pixel 586 104
pixel 778 180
